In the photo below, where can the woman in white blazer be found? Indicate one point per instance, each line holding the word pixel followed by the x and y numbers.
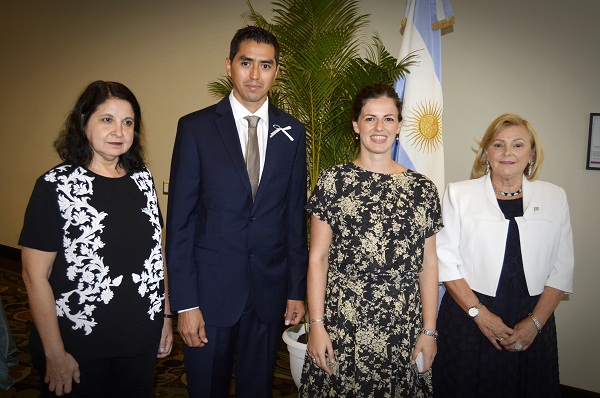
pixel 506 260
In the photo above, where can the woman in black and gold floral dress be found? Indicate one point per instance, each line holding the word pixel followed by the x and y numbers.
pixel 372 279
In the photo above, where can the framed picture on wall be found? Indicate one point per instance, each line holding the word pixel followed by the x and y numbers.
pixel 593 154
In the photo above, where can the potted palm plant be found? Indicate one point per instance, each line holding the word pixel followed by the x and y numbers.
pixel 324 63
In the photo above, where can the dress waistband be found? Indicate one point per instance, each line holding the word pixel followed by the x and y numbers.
pixel 396 278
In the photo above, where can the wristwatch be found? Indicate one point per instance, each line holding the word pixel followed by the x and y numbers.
pixel 474 310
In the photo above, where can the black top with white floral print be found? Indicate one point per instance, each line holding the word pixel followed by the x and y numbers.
pixel 107 278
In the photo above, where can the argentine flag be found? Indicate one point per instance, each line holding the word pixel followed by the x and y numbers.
pixel 421 143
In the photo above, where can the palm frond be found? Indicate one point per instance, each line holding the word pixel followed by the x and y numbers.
pixel 221 87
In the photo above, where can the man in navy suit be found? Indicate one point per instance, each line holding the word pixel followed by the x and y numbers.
pixel 237 265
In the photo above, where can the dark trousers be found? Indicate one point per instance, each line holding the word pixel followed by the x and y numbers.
pixel 249 343
pixel 111 377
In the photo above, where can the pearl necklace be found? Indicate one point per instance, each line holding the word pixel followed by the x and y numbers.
pixel 507 193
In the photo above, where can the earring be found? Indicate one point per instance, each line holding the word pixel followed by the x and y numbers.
pixel 397 137
pixel 487 167
pixel 530 167
pixel 356 136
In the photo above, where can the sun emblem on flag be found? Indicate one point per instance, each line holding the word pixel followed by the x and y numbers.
pixel 424 126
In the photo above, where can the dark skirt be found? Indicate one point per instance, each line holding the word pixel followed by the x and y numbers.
pixel 468 365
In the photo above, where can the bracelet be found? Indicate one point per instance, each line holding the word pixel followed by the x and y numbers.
pixel 169 316
pixel 430 333
pixel 316 320
pixel 537 323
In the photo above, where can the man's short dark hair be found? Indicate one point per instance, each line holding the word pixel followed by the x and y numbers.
pixel 253 33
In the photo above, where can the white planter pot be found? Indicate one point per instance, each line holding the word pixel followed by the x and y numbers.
pixel 297 350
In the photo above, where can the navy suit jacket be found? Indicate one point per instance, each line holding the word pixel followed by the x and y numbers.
pixel 222 246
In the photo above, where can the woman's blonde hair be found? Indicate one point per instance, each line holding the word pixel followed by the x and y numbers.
pixel 500 123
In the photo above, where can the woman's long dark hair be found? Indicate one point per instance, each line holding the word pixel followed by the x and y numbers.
pixel 72 144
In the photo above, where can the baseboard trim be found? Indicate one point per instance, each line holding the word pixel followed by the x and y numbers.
pixel 10 253
pixel 568 391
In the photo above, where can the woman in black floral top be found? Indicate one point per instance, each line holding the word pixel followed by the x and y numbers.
pixel 372 279
pixel 92 256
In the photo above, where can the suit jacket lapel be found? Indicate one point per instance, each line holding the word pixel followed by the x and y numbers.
pixel 273 151
pixel 231 140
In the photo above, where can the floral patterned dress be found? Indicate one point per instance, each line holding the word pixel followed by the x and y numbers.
pixel 373 304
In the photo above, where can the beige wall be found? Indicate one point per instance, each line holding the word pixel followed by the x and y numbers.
pixel 536 58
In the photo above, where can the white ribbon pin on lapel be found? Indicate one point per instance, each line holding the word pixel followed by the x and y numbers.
pixel 283 130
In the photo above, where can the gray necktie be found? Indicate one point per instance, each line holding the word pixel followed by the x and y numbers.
pixel 252 154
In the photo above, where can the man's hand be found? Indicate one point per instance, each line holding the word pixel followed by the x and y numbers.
pixel 190 325
pixel 294 312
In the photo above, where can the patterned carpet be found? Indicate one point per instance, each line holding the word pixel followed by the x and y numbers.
pixel 170 376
